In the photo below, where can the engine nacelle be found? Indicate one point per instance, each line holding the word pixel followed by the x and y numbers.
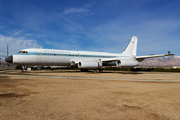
pixel 89 65
pixel 127 63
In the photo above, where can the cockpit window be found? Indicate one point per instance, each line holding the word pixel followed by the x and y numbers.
pixel 23 52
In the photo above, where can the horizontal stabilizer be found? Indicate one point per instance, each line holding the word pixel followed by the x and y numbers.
pixel 141 58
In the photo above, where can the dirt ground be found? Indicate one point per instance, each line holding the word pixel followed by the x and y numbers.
pixel 31 97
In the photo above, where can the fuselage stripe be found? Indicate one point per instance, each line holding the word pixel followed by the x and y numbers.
pixel 67 55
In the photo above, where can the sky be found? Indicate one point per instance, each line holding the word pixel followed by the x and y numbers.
pixel 90 25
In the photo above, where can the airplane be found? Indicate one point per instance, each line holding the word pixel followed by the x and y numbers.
pixel 84 60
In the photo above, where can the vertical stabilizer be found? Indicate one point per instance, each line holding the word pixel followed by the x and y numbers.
pixel 131 48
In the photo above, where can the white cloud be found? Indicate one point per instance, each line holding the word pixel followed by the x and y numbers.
pixel 28 34
pixel 155 36
pixel 15 44
pixel 17 32
pixel 75 10
pixel 68 45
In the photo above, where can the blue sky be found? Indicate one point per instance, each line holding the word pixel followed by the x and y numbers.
pixel 92 25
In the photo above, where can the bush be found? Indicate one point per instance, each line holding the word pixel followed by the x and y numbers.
pixel 18 67
pixel 143 69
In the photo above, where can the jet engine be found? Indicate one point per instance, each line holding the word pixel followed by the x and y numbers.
pixel 127 63
pixel 89 65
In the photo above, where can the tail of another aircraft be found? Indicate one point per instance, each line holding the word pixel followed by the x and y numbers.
pixel 131 48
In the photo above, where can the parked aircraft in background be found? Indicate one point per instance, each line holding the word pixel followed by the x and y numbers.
pixel 81 59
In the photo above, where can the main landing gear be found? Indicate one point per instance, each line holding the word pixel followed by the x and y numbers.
pixel 98 71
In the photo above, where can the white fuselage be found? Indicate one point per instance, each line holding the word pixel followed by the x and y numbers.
pixel 58 57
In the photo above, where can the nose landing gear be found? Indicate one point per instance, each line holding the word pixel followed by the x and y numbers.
pixel 24 68
pixel 98 71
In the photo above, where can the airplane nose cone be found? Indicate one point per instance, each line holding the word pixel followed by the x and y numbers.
pixel 9 59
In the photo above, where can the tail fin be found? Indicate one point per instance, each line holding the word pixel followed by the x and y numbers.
pixel 131 48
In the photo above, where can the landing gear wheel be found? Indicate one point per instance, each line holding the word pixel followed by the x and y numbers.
pixel 98 71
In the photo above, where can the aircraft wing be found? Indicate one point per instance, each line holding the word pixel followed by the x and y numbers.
pixel 141 58
pixel 76 61
pixel 109 59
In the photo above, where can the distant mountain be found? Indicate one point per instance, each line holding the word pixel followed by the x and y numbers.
pixel 168 61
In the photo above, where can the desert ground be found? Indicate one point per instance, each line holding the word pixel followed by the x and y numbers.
pixel 73 95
